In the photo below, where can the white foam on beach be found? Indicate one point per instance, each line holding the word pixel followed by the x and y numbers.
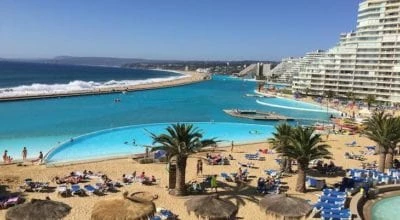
pixel 75 86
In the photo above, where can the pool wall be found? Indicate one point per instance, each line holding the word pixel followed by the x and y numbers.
pixel 89 147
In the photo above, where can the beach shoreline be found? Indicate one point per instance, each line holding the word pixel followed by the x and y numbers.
pixel 13 176
pixel 188 77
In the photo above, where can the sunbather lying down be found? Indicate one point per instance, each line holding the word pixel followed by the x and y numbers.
pixel 248 164
pixel 67 179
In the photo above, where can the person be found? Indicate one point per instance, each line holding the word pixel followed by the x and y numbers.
pixel 5 156
pixel 9 159
pixel 232 146
pixel 199 167
pixel 24 153
pixel 214 182
pixel 39 159
pixel 142 176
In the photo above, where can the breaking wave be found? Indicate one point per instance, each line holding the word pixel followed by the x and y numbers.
pixel 77 86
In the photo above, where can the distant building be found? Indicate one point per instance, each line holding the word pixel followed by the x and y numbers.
pixel 203 70
pixel 284 71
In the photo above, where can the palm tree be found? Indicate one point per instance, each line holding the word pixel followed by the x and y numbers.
pixel 307 91
pixel 393 124
pixel 280 140
pixel 350 96
pixel 180 141
pixel 370 99
pixel 381 128
pixel 303 147
pixel 329 94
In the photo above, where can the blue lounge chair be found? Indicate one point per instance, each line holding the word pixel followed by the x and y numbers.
pixel 226 177
pixel 352 144
pixel 76 189
pixel 324 205
pixel 89 189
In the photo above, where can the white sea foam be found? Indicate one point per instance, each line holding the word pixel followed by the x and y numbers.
pixel 38 89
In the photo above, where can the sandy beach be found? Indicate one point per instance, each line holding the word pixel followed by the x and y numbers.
pixel 187 77
pixel 246 195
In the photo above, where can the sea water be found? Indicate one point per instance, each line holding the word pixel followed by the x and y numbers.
pixel 43 124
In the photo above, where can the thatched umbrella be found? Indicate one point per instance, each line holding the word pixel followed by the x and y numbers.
pixel 38 209
pixel 127 208
pixel 284 207
pixel 211 207
pixel 147 196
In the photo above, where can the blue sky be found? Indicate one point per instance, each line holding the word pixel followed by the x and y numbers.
pixel 173 29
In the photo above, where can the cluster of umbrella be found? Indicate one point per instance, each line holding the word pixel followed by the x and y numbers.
pixel 139 206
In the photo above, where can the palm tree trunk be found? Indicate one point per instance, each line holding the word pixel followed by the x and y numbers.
pixel 284 163
pixel 381 165
pixel 389 159
pixel 288 167
pixel 301 178
pixel 180 189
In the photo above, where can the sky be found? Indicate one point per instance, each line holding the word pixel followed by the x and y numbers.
pixel 173 29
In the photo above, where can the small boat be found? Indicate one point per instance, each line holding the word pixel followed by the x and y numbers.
pixel 256 115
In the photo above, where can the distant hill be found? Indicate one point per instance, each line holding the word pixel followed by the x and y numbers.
pixel 137 63
pixel 94 61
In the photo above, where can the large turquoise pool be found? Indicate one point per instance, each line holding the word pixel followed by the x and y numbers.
pixel 386 209
pixel 41 125
pixel 132 139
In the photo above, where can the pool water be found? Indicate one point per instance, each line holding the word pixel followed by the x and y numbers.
pixel 133 139
pixel 41 125
pixel 284 103
pixel 386 209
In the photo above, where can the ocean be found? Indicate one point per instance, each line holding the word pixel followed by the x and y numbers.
pixel 34 78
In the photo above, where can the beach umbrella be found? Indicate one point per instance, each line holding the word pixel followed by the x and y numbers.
pixel 127 208
pixel 38 209
pixel 147 196
pixel 283 207
pixel 211 207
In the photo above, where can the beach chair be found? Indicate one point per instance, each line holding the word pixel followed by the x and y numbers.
pixel 14 200
pixel 325 205
pixel 31 186
pixel 101 187
pixel 166 214
pixel 89 189
pixel 62 190
pixel 226 177
pixel 351 144
pixel 76 190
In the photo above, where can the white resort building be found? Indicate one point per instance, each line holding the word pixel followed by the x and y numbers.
pixel 366 61
pixel 286 69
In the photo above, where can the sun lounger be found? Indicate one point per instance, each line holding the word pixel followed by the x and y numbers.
pixel 14 200
pixel 325 205
pixel 351 144
pixel 31 186
pixel 76 190
pixel 166 214
pixel 62 190
pixel 332 199
pixel 250 165
pixel 89 189
pixel 101 187
pixel 226 177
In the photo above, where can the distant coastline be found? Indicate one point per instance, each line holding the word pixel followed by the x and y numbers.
pixel 188 77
